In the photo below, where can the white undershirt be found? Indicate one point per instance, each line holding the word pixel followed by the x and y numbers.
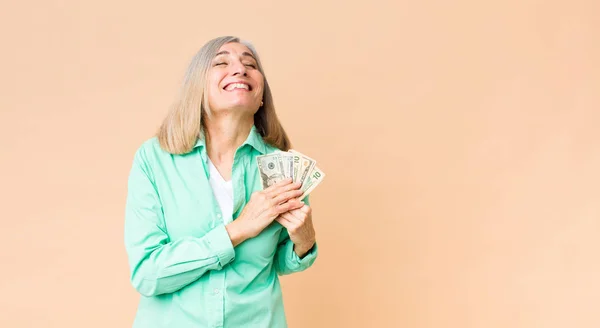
pixel 223 191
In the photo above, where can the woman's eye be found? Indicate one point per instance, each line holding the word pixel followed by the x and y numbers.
pixel 251 65
pixel 220 63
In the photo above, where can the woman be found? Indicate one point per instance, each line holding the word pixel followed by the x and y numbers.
pixel 205 243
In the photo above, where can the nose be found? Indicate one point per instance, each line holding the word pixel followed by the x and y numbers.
pixel 240 69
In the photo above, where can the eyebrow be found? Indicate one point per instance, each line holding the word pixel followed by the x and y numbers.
pixel 225 52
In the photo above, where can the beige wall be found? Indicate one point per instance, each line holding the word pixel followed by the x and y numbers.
pixel 460 139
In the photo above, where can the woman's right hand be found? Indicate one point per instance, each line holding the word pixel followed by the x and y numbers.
pixel 262 209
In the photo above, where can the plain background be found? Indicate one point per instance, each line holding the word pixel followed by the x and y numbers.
pixel 460 141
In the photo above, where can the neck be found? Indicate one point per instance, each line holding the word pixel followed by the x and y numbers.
pixel 224 135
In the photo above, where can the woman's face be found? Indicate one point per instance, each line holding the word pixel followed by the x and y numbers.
pixel 234 81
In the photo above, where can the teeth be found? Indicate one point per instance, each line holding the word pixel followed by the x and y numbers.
pixel 237 86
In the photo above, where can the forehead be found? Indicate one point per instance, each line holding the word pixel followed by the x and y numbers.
pixel 234 48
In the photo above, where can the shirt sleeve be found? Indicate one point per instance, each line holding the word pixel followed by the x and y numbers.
pixel 286 260
pixel 158 265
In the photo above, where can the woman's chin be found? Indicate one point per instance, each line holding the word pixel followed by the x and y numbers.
pixel 236 107
pixel 242 104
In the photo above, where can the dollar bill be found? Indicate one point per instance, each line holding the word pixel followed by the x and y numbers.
pixel 288 164
pixel 306 166
pixel 296 164
pixel 277 166
pixel 314 179
pixel 271 169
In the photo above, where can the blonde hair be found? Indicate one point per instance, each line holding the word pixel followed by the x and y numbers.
pixel 184 124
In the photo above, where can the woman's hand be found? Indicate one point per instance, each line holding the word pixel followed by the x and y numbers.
pixel 264 206
pixel 300 228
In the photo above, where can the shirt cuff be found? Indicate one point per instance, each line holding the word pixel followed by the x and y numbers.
pixel 302 263
pixel 218 239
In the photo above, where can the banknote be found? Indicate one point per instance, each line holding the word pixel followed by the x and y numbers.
pixel 306 166
pixel 271 169
pixel 313 180
pixel 296 164
pixel 280 165
pixel 288 164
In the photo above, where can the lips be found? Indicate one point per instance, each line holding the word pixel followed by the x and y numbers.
pixel 237 85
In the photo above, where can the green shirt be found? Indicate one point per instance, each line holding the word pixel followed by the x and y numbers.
pixel 181 258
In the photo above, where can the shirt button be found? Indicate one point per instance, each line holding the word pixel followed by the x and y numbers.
pixel 219 216
pixel 216 291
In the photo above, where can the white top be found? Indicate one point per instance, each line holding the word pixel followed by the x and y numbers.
pixel 223 191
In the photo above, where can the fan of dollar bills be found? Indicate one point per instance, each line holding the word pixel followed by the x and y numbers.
pixel 280 165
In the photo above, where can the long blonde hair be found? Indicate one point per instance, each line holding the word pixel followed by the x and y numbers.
pixel 184 123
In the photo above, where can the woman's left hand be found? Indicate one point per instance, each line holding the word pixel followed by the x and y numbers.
pixel 299 224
